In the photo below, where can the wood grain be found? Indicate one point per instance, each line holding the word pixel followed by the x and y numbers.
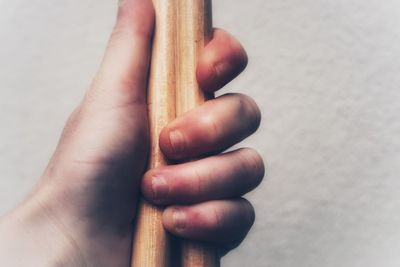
pixel 193 32
pixel 151 242
pixel 182 29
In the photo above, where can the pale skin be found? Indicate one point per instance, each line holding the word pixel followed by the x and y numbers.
pixel 82 210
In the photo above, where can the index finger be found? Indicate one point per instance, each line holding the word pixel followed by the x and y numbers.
pixel 222 60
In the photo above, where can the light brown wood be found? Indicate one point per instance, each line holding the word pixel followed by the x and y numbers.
pixel 182 29
pixel 151 242
pixel 193 32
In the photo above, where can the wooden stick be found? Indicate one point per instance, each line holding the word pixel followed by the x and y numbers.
pixel 193 32
pixel 151 242
pixel 182 29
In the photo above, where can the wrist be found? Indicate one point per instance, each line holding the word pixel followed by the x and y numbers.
pixel 30 236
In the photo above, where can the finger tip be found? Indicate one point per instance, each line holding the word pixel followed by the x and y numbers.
pixel 165 142
pixel 172 143
pixel 155 187
pixel 221 61
pixel 175 220
pixel 167 219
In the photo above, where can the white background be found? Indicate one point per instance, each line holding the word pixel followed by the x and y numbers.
pixel 325 74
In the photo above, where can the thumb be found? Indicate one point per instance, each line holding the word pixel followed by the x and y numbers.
pixel 104 143
pixel 111 122
pixel 122 77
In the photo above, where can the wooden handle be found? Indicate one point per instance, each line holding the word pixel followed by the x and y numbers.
pixel 182 29
pixel 151 242
pixel 193 32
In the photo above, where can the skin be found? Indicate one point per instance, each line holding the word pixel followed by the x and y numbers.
pixel 82 209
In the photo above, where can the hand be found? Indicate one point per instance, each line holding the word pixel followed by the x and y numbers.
pixel 81 211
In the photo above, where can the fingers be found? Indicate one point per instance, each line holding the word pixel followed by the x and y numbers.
pixel 221 222
pixel 122 77
pixel 213 127
pixel 221 61
pixel 220 177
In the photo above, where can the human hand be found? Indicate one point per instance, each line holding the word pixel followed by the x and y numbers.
pixel 81 211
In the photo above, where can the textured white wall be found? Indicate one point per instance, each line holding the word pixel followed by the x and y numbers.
pixel 325 74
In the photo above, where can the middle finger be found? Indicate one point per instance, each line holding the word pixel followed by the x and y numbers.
pixel 213 127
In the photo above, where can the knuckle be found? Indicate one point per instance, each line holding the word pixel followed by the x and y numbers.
pixel 73 118
pixel 249 211
pixel 246 107
pixel 253 112
pixel 72 122
pixel 126 28
pixel 240 53
pixel 253 163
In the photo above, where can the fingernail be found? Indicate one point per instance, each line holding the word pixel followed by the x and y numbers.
pixel 179 219
pixel 160 188
pixel 177 141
